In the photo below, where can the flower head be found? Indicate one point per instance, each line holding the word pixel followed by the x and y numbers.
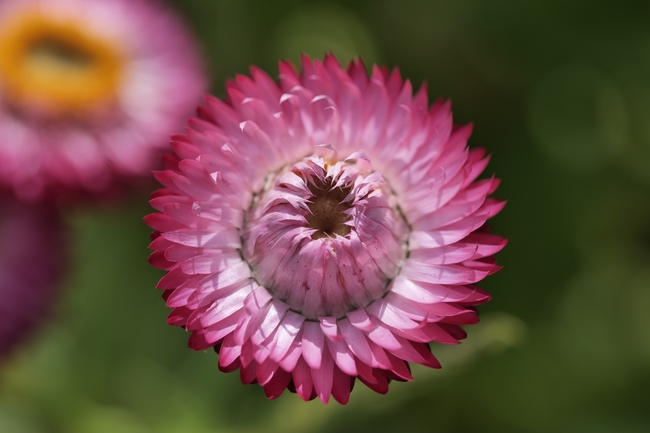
pixel 89 90
pixel 32 256
pixel 323 229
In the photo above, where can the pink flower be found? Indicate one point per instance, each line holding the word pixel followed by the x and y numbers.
pixel 89 92
pixel 32 256
pixel 323 229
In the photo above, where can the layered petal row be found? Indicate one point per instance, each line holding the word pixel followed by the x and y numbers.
pixel 326 228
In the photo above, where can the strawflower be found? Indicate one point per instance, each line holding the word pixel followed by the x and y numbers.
pixel 89 92
pixel 32 261
pixel 323 229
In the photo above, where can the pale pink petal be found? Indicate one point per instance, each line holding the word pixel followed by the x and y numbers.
pixel 343 357
pixel 313 342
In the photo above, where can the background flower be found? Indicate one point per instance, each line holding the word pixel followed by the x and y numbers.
pixel 32 261
pixel 89 91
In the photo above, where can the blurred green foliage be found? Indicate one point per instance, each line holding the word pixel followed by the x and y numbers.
pixel 559 92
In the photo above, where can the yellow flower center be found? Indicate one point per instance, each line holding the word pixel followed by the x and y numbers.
pixel 57 66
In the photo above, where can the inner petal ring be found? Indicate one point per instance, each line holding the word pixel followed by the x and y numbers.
pixel 326 238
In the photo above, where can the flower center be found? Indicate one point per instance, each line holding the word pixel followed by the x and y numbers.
pixel 52 53
pixel 324 238
pixel 327 209
pixel 56 67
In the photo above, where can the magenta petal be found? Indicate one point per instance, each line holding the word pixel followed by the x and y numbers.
pixel 198 340
pixel 248 373
pixel 229 351
pixel 323 377
pixel 374 379
pixel 178 316
pixel 399 368
pixel 302 380
pixel 341 386
pixel 266 370
pixel 277 384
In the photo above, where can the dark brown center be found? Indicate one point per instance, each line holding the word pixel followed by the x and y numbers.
pixel 328 215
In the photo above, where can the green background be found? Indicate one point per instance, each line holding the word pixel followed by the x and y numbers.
pixel 559 92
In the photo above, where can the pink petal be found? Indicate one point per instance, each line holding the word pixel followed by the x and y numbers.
pixel 343 357
pixel 302 380
pixel 441 274
pixel 341 386
pixel 229 351
pixel 313 343
pixel 274 315
pixel 323 377
pixel 277 384
pixel 329 328
pixel 286 334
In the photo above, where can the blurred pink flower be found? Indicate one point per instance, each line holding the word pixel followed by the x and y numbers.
pixel 32 258
pixel 323 230
pixel 89 92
